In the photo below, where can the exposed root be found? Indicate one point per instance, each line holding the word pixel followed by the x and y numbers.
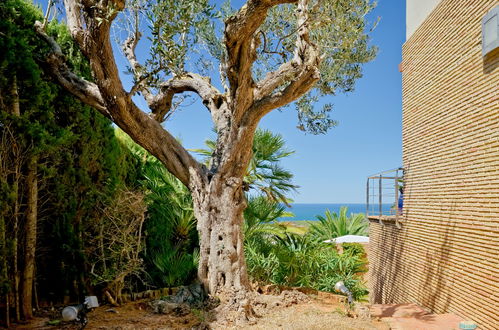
pixel 236 308
pixel 244 308
pixel 230 308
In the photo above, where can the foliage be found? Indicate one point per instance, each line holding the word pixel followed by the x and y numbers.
pixel 354 248
pixel 171 238
pixel 115 242
pixel 300 260
pixel 264 172
pixel 260 218
pixel 340 31
pixel 79 160
pixel 290 259
pixel 334 225
pixel 175 267
pixel 188 35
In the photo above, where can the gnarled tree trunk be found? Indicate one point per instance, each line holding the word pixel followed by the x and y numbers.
pixel 222 266
pixel 220 217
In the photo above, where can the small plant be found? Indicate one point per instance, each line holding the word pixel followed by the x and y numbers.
pixel 334 225
pixel 354 249
pixel 340 311
pixel 116 242
pixel 200 314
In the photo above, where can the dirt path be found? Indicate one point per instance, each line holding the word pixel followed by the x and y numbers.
pixel 312 316
pixel 319 312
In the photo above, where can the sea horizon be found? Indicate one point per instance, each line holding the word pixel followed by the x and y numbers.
pixel 310 211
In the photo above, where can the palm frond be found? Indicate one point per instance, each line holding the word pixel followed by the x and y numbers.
pixel 333 225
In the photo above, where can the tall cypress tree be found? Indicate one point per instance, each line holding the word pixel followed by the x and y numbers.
pixel 77 169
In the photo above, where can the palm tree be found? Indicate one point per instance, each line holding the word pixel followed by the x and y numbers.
pixel 261 217
pixel 264 174
pixel 334 225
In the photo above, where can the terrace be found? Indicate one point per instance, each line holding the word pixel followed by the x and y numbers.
pixel 383 191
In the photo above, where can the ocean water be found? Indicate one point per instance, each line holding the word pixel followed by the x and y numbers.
pixel 304 211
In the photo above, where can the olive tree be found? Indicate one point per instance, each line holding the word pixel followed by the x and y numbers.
pixel 269 54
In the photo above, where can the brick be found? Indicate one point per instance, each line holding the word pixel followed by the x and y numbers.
pixel 446 255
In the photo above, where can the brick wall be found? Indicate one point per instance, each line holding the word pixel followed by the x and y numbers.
pixel 446 255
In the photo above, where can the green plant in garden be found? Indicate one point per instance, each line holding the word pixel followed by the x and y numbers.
pixel 75 158
pixel 335 225
pixel 171 253
pixel 260 218
pixel 301 260
pixel 175 267
pixel 264 171
pixel 262 263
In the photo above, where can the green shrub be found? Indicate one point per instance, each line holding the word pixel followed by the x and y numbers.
pixel 354 248
pixel 303 261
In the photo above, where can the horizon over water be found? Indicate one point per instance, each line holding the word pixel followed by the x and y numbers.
pixel 309 211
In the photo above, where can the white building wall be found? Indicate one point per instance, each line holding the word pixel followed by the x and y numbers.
pixel 416 13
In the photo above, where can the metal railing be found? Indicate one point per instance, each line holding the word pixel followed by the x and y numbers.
pixel 382 194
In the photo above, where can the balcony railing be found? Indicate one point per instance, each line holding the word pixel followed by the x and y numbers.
pixel 383 192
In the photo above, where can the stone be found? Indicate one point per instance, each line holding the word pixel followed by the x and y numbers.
pixel 166 307
pixel 192 295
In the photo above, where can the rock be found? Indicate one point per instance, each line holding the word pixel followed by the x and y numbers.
pixel 201 326
pixel 186 297
pixel 165 307
pixel 289 298
pixel 362 311
pixel 192 295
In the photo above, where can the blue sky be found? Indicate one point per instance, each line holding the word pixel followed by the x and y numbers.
pixel 332 168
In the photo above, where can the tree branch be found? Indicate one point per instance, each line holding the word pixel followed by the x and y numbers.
pixel 86 91
pixel 73 19
pixel 241 43
pixel 302 72
pixel 161 104
pixel 138 70
pixel 108 95
pixel 190 82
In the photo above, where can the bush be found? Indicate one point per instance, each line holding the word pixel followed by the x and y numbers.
pixel 296 260
pixel 354 249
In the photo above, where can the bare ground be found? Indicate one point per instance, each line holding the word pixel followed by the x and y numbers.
pixel 287 311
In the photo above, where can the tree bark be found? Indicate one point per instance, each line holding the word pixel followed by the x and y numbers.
pixel 221 264
pixel 15 242
pixel 16 110
pixel 30 245
pixel 219 203
pixel 5 274
pixel 18 161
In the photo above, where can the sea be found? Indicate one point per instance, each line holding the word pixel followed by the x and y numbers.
pixel 303 211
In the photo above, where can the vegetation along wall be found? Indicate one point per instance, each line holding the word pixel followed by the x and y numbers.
pixel 445 256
